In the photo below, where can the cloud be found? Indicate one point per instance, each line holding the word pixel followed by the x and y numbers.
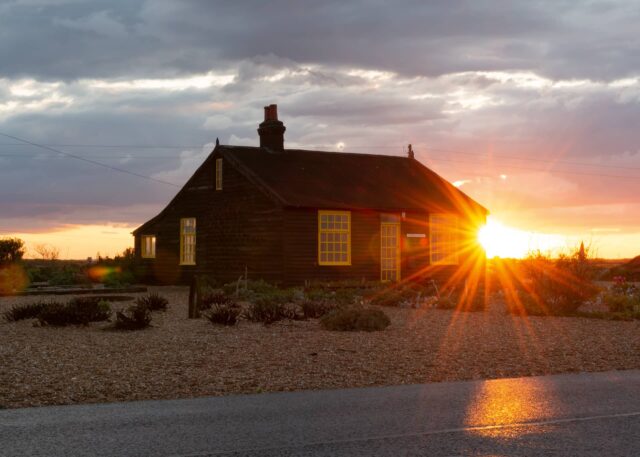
pixel 547 93
pixel 100 23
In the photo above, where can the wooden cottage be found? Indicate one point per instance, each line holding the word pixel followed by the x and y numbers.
pixel 291 215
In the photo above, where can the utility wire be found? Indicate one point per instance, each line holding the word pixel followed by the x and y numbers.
pixel 540 169
pixel 50 147
pixel 84 159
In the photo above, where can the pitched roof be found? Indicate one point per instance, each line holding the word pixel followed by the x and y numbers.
pixel 338 180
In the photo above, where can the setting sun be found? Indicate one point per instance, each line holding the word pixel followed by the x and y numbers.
pixel 499 240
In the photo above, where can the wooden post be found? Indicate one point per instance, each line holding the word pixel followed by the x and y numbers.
pixel 194 298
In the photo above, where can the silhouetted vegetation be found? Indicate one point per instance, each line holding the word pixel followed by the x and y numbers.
pixel 135 317
pixel 224 313
pixel 355 318
pixel 11 250
pixel 77 311
pixel 153 301
pixel 25 311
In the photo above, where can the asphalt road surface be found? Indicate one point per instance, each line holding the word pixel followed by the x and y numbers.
pixel 565 415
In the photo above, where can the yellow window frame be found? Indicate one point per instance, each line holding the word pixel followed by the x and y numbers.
pixel 448 234
pixel 143 246
pixel 334 236
pixel 183 237
pixel 218 174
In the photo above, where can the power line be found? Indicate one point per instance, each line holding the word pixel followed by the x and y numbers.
pixel 50 147
pixel 528 159
pixel 84 159
pixel 108 146
pixel 542 169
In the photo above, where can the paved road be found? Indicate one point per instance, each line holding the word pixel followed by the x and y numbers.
pixel 565 415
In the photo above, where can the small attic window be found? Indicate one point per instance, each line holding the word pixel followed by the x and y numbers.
pixel 218 174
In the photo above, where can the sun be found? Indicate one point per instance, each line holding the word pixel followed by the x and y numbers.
pixel 499 240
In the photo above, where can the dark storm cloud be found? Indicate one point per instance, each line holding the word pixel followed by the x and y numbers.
pixel 126 38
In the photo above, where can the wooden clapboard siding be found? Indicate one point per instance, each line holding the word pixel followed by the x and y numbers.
pixel 301 248
pixel 237 228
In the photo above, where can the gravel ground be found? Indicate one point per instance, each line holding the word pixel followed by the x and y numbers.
pixel 179 357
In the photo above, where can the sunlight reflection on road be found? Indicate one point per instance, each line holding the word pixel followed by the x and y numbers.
pixel 509 401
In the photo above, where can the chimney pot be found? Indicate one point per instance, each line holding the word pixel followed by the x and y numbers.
pixel 271 131
pixel 410 152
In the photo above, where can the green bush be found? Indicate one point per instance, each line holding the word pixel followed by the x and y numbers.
pixel 355 318
pixel 26 311
pixel 558 287
pixel 135 317
pixel 224 313
pixel 621 302
pixel 78 311
pixel 273 307
pixel 312 309
pixel 66 275
pixel 248 289
pixel 153 301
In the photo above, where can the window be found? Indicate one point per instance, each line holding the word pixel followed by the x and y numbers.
pixel 148 243
pixel 334 237
pixel 218 174
pixel 443 239
pixel 188 241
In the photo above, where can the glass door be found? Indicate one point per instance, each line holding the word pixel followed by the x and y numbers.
pixel 389 251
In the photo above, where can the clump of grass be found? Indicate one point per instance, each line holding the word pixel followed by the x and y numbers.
pixel 214 297
pixel 224 314
pixel 135 317
pixel 78 311
pixel 153 301
pixel 26 311
pixel 355 318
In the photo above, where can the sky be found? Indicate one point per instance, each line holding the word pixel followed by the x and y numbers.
pixel 532 108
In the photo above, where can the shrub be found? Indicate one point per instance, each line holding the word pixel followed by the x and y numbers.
pixel 355 318
pixel 273 307
pixel 558 287
pixel 26 311
pixel 214 297
pixel 248 289
pixel 78 311
pixel 11 250
pixel 621 303
pixel 153 301
pixel 224 314
pixel 312 309
pixel 135 317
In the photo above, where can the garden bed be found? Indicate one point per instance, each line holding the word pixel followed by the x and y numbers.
pixel 178 357
pixel 52 290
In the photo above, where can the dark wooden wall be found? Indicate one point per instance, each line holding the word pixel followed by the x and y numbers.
pixel 301 248
pixel 237 227
pixel 241 227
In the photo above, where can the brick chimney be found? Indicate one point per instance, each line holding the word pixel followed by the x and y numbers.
pixel 271 131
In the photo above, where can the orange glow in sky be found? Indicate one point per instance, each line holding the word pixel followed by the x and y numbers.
pixel 500 240
pixel 80 242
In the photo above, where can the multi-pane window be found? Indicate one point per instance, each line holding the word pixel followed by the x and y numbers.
pixel 334 237
pixel 148 244
pixel 218 174
pixel 188 241
pixel 443 239
pixel 389 251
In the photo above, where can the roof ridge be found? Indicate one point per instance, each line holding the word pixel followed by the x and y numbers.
pixel 362 154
